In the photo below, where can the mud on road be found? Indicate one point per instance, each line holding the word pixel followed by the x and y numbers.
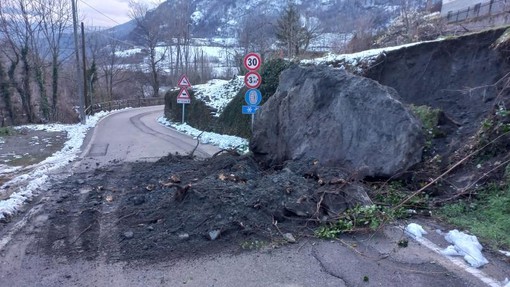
pixel 180 207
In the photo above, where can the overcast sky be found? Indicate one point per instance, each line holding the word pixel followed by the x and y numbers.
pixel 117 10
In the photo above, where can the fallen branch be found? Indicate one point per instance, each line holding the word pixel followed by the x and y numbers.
pixel 232 151
pixel 447 172
pixel 190 155
pixel 85 230
pixel 126 216
pixel 467 188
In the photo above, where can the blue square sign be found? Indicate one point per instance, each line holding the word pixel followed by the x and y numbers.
pixel 250 110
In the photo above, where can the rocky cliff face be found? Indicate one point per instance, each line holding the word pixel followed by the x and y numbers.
pixel 464 77
pixel 339 119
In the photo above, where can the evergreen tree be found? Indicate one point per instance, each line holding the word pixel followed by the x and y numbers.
pixel 290 32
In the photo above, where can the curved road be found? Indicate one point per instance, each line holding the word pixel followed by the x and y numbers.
pixel 134 134
pixel 358 260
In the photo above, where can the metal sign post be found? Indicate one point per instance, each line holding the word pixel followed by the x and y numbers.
pixel 253 97
pixel 183 111
pixel 183 97
pixel 252 79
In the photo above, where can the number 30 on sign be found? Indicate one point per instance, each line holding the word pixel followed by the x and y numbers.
pixel 252 61
pixel 252 80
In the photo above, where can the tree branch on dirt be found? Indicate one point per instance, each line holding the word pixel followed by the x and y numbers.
pixel 414 194
pixel 85 230
pixel 191 154
pixel 232 151
pixel 467 189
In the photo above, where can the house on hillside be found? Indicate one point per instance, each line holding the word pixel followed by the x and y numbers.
pixel 458 5
pixel 461 10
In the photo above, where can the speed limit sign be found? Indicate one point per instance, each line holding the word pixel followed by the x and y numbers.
pixel 252 61
pixel 252 80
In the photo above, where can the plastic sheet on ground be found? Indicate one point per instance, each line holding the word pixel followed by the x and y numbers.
pixel 467 246
pixel 415 230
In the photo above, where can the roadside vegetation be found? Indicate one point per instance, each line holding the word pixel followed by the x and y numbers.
pixel 487 214
pixel 481 208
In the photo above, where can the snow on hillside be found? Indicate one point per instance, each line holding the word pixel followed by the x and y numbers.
pixel 218 93
pixel 216 53
pixel 356 59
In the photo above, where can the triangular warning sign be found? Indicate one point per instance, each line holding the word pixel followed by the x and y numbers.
pixel 183 97
pixel 184 82
pixel 183 94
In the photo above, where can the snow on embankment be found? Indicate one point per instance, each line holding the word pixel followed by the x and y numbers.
pixel 221 141
pixel 356 61
pixel 218 93
pixel 28 184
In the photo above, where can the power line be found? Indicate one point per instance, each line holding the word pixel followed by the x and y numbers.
pixel 106 16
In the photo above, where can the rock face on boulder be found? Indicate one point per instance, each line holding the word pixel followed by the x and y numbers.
pixel 339 119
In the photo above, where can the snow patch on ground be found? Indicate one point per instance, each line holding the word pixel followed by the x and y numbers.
pixel 222 141
pixel 38 176
pixel 218 93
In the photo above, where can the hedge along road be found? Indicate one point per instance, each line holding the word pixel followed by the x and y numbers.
pixel 133 135
pixel 357 260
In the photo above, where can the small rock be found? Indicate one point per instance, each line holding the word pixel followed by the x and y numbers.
pixel 184 236
pixel 289 237
pixel 214 234
pixel 80 181
pixel 128 234
pixel 138 200
pixel 150 227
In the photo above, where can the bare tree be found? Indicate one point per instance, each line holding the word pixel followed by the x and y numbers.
pixel 5 94
pixel 181 34
pixel 363 37
pixel 108 72
pixel 256 33
pixel 56 19
pixel 17 25
pixel 151 34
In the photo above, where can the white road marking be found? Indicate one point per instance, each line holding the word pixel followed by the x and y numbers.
pixel 458 262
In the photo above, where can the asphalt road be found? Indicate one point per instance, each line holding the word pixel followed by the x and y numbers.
pixel 134 135
pixel 354 260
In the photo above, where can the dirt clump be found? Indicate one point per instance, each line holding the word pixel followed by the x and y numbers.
pixel 181 207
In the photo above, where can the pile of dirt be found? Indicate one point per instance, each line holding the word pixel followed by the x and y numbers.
pixel 181 207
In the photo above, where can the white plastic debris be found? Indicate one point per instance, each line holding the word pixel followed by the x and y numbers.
pixel 415 230
pixel 506 253
pixel 465 245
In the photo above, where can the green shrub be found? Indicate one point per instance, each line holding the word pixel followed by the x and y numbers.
pixel 487 216
pixel 6 131
pixel 232 121
pixel 197 114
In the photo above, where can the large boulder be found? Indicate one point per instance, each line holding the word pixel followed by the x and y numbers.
pixel 339 119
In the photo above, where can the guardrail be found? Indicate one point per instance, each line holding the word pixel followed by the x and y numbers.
pixel 120 104
pixel 491 8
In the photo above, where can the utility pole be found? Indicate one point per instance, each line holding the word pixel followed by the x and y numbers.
pixel 79 78
pixel 85 93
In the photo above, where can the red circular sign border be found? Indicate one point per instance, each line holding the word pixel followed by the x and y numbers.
pixel 254 73
pixel 246 59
